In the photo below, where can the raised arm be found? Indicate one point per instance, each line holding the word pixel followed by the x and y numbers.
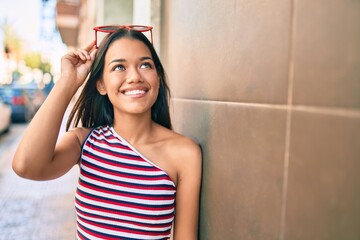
pixel 38 155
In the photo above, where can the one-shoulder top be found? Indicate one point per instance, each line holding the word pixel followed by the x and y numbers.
pixel 120 193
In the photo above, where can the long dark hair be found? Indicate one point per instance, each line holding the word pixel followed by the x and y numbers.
pixel 94 109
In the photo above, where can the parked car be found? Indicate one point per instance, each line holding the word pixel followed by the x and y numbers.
pixel 5 116
pixel 24 100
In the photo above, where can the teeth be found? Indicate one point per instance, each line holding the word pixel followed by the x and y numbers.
pixel 134 92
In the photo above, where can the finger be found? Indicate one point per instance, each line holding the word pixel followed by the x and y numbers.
pixel 92 57
pixel 93 53
pixel 83 54
pixel 90 46
pixel 74 57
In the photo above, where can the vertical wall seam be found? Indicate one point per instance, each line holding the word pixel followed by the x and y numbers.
pixel 288 119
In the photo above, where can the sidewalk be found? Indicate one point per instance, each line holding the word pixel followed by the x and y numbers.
pixel 32 210
pixel 37 210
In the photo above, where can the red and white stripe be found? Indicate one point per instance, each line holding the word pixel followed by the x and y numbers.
pixel 120 193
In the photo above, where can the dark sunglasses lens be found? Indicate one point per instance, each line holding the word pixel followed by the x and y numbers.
pixel 109 28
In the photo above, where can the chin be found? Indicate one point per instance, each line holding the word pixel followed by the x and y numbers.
pixel 137 111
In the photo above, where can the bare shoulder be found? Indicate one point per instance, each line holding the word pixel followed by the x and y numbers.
pixel 82 132
pixel 183 150
pixel 185 147
pixel 79 133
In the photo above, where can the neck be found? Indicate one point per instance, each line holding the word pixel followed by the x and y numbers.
pixel 134 128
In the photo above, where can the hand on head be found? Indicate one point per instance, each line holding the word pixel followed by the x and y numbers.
pixel 75 65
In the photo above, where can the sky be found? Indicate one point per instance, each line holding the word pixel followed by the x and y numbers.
pixel 25 17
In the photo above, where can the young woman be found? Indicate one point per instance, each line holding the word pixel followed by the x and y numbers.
pixel 137 176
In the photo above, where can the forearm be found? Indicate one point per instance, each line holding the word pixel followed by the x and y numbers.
pixel 36 149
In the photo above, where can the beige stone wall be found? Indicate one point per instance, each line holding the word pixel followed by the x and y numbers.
pixel 118 12
pixel 102 12
pixel 271 91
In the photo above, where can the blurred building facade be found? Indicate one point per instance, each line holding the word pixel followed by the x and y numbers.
pixel 272 94
pixel 76 18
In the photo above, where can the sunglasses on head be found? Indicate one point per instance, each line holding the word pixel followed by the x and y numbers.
pixel 113 28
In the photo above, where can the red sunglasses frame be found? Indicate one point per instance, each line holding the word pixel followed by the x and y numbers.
pixel 116 27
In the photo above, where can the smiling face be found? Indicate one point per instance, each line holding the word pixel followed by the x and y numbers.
pixel 129 78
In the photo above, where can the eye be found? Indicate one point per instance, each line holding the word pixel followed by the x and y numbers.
pixel 145 65
pixel 119 68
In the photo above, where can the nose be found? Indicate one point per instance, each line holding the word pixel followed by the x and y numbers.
pixel 134 76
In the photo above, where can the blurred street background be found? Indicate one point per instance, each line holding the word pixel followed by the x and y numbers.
pixel 34 35
pixel 270 90
pixel 31 209
pixel 31 48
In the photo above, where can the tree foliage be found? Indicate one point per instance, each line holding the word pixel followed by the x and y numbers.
pixel 12 42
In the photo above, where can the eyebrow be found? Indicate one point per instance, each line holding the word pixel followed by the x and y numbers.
pixel 124 60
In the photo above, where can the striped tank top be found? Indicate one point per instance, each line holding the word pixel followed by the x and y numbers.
pixel 120 194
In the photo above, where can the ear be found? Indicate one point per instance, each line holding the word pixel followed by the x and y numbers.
pixel 101 87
